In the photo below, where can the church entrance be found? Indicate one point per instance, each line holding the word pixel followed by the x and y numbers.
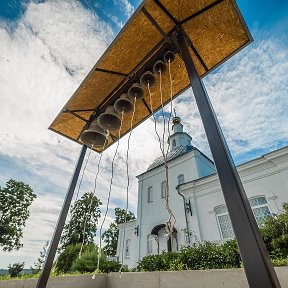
pixel 165 244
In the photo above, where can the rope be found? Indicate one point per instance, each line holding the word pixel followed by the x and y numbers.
pixel 82 176
pixel 169 224
pixel 163 115
pixel 128 184
pixel 109 194
pixel 155 121
pixel 171 105
pixel 92 194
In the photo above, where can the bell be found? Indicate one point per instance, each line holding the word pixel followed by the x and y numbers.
pixel 123 104
pixel 136 90
pixel 169 56
pixel 147 77
pixel 159 66
pixel 94 135
pixel 109 120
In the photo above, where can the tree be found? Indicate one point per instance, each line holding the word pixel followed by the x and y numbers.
pixel 84 216
pixel 15 269
pixel 110 236
pixel 15 199
pixel 275 234
pixel 40 261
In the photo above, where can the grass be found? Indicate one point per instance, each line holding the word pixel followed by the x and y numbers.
pixel 53 274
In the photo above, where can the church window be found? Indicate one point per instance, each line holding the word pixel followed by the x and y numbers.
pixel 181 179
pixel 260 210
pixel 173 143
pixel 224 222
pixel 150 194
pixel 163 189
pixel 127 248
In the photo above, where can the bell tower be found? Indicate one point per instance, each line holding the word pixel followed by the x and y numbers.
pixel 178 138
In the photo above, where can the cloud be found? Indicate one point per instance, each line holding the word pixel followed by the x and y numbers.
pixel 125 6
pixel 249 95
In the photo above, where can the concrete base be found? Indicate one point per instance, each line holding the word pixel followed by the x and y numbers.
pixel 83 281
pixel 179 279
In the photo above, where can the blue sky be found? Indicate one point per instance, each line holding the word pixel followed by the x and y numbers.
pixel 41 41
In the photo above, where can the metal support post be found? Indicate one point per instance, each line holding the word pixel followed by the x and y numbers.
pixel 257 264
pixel 42 281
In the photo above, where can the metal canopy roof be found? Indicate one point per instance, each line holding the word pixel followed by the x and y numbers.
pixel 214 31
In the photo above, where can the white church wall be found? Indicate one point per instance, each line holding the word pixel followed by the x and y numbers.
pixel 260 177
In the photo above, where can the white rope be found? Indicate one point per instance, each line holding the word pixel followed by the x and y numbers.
pixel 109 194
pixel 83 172
pixel 171 105
pixel 169 223
pixel 163 115
pixel 128 184
pixel 92 194
pixel 155 121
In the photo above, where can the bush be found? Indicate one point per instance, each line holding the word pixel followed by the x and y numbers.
pixel 15 269
pixel 71 252
pixel 275 234
pixel 88 263
pixel 199 256
pixel 280 262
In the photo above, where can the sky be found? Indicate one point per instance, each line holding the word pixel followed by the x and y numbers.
pixel 46 50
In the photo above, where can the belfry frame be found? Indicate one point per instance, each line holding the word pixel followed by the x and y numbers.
pixel 203 34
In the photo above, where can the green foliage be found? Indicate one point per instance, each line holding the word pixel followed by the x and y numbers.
pixel 88 263
pixel 70 253
pixel 15 199
pixel 40 261
pixel 85 210
pixel 15 269
pixel 110 236
pixel 280 262
pixel 199 256
pixel 275 234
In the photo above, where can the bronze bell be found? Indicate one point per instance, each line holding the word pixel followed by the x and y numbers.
pixel 136 90
pixel 159 66
pixel 94 135
pixel 123 104
pixel 147 77
pixel 109 120
pixel 169 56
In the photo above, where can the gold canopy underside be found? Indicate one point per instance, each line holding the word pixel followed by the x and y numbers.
pixel 216 30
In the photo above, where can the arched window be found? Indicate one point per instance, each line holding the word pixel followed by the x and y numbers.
pixel 180 179
pixel 150 194
pixel 163 189
pixel 173 143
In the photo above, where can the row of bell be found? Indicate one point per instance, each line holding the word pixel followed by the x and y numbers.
pixel 110 120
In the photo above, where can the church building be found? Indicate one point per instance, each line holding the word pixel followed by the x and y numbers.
pixel 196 199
